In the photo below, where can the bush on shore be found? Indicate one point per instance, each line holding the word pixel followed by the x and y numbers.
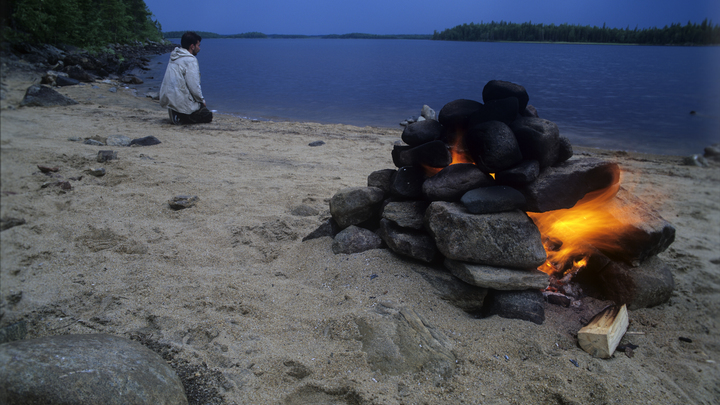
pixel 83 23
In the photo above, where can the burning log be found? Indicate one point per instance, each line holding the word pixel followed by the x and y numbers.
pixel 602 335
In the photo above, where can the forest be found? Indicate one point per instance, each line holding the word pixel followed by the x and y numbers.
pixel 83 23
pixel 178 34
pixel 704 33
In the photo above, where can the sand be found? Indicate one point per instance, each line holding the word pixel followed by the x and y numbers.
pixel 247 313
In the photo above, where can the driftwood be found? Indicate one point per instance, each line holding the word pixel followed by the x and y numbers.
pixel 602 335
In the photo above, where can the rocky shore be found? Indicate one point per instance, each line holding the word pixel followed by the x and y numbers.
pixel 193 248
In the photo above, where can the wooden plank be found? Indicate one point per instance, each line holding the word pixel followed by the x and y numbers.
pixel 602 335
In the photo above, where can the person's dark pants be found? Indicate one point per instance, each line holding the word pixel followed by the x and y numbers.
pixel 201 116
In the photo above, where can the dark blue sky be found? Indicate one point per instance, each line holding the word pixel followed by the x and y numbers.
pixel 317 17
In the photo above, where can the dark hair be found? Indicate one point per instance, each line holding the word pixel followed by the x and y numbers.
pixel 189 38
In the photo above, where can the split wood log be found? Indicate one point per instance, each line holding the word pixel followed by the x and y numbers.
pixel 602 335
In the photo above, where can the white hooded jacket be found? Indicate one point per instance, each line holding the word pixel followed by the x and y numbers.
pixel 180 89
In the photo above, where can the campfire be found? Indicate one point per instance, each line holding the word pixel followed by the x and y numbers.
pixel 492 192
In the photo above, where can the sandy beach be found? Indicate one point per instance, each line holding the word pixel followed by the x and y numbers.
pixel 248 313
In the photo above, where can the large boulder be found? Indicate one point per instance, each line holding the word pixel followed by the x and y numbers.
pixel 508 239
pixel 43 96
pixel 86 369
pixel 354 205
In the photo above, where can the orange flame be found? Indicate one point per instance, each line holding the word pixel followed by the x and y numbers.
pixel 457 153
pixel 570 234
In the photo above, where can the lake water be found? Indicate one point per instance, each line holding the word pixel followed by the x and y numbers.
pixel 620 97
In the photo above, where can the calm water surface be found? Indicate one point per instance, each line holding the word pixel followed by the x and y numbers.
pixel 619 97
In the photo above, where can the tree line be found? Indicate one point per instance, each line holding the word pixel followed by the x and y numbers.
pixel 83 23
pixel 204 34
pixel 704 33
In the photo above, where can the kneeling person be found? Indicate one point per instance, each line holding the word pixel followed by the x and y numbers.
pixel 180 91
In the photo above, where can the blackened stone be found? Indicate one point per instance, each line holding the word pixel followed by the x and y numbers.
pixel 526 305
pixel 422 132
pixel 503 110
pixel 530 111
pixel 328 228
pixel 565 150
pixel 65 81
pixel 450 183
pixel 400 155
pixel 382 179
pixel 408 183
pixel 312 144
pixel 564 185
pixel 487 200
pixel 538 140
pixel 406 214
pixel 507 239
pixel 355 240
pixel 524 173
pixel 43 96
pixel 433 154
pixel 457 113
pixel 449 288
pixel 498 278
pixel 354 205
pixel 86 369
pixel 493 147
pixel 145 141
pixel 417 245
pixel 499 89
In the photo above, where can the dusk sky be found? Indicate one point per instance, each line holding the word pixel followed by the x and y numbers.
pixel 317 17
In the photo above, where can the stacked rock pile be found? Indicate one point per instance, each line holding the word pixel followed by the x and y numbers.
pixel 463 185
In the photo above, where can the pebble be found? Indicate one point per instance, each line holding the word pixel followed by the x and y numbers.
pixel 97 172
pixel 105 155
pixel 93 142
pixel 316 143
pixel 183 201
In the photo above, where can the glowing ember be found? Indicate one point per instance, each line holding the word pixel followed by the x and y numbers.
pixel 571 235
